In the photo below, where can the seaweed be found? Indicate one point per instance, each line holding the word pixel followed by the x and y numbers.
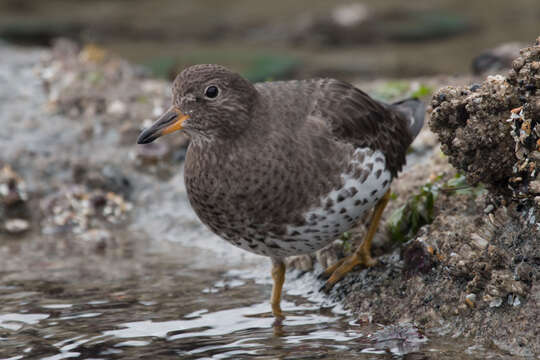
pixel 419 209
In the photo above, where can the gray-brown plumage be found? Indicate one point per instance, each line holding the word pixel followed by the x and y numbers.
pixel 283 168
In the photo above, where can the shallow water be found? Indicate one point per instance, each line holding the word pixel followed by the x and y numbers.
pixel 160 303
pixel 168 313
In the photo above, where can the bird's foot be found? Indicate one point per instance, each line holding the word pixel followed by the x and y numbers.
pixel 278 314
pixel 269 314
pixel 362 255
pixel 337 271
pixel 278 275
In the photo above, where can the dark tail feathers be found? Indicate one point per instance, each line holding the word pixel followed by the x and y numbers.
pixel 414 110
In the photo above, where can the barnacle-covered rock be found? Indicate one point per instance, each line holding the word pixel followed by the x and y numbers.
pixel 12 187
pixel 91 81
pixel 92 85
pixel 107 177
pixel 77 209
pixel 473 132
pixel 14 213
pixel 490 131
pixel 112 99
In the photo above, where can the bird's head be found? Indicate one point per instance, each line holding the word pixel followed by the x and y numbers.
pixel 208 101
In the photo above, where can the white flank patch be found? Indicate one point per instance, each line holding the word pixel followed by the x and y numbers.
pixel 323 224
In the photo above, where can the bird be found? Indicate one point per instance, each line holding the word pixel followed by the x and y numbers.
pixel 284 168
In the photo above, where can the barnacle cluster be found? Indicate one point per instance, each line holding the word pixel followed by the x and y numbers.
pixel 525 124
pixel 90 82
pixel 12 187
pixel 490 131
pixel 76 209
pixel 13 198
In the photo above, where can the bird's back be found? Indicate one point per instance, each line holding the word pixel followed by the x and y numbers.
pixel 320 154
pixel 348 114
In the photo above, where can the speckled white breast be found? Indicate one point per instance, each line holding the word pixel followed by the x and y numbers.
pixel 363 187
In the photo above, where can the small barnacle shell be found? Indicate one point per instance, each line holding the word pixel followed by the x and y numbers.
pixel 515 179
pixel 523 165
pixel 520 151
pixel 526 126
pixel 536 130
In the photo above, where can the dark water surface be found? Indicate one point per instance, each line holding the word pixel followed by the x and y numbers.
pixel 173 310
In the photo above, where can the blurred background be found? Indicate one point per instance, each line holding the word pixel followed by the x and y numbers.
pixel 282 39
pixel 100 253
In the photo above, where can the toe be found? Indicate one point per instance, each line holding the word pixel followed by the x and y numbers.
pixel 331 269
pixel 326 288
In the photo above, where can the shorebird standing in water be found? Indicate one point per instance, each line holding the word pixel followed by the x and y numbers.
pixel 284 168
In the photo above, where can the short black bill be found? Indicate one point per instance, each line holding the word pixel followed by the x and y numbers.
pixel 167 123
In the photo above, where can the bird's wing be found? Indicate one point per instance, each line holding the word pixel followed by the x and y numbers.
pixel 356 118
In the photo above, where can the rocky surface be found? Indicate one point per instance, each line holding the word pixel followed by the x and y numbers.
pixel 475 270
pixel 490 130
pixel 472 272
pixel 14 214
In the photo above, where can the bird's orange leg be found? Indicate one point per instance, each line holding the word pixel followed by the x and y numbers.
pixel 278 275
pixel 362 255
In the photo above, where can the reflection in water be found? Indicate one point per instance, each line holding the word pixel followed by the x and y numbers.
pixel 16 321
pixel 247 330
pixel 237 321
pixel 238 329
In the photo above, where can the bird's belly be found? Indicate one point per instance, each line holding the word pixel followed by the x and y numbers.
pixel 339 210
pixel 334 213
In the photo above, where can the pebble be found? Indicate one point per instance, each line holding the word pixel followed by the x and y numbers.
pixel 12 187
pixel 470 300
pixel 496 302
pixel 534 186
pixel 535 155
pixel 513 300
pixel 16 226
pixel 478 241
pixel 77 209
pixel 518 63
pixel 418 257
pixel 301 262
pixel 524 272
pixel 502 284
pixel 330 254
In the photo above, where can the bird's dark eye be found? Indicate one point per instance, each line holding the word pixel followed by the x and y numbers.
pixel 211 92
